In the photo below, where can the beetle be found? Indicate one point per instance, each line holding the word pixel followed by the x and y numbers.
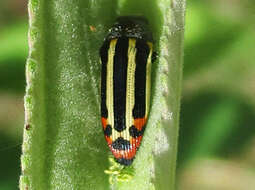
pixel 126 58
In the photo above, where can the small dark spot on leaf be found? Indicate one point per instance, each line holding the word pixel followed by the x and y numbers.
pixel 28 126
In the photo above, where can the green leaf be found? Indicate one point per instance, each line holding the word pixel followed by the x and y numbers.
pixel 13 53
pixel 63 145
pixel 215 128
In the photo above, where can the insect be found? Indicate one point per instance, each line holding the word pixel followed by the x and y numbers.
pixel 126 58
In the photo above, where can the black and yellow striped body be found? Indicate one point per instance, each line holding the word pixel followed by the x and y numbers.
pixel 125 88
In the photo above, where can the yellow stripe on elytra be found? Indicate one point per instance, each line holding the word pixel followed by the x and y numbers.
pixel 148 80
pixel 109 84
pixel 130 91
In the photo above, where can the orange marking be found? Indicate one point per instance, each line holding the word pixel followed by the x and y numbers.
pixel 136 142
pixel 127 154
pixel 109 140
pixel 104 122
pixel 92 28
pixel 139 123
pixel 130 153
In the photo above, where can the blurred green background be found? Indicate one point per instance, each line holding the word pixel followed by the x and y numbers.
pixel 217 133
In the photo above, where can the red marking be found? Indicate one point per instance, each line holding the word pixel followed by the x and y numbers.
pixel 109 140
pixel 127 154
pixel 130 153
pixel 136 141
pixel 139 123
pixel 104 122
